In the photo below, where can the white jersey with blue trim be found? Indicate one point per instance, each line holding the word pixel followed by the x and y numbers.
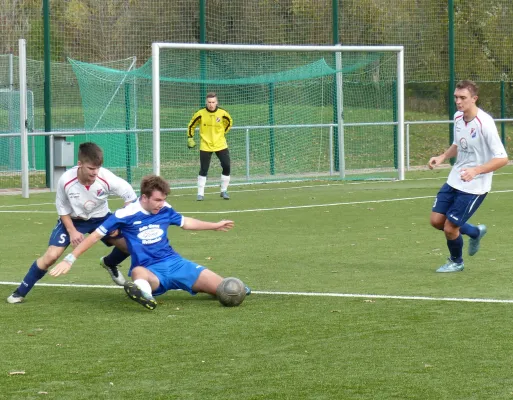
pixel 478 142
pixel 144 232
pixel 87 202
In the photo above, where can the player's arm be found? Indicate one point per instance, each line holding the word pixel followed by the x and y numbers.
pixel 65 265
pixel 120 188
pixel 449 153
pixel 64 210
pixel 228 122
pixel 199 225
pixel 499 159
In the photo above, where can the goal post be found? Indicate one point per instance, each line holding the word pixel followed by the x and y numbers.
pixel 359 95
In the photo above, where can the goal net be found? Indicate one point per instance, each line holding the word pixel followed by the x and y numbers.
pixel 299 112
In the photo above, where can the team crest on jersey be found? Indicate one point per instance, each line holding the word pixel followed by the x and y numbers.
pixel 218 119
pixel 473 133
pixel 100 193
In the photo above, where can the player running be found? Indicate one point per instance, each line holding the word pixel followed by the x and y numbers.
pixel 479 152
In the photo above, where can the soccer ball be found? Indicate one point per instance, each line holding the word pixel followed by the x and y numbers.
pixel 231 292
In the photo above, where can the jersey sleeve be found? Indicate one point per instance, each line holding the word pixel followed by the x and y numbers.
pixel 228 122
pixel 493 139
pixel 195 120
pixel 110 224
pixel 175 218
pixel 120 187
pixel 61 199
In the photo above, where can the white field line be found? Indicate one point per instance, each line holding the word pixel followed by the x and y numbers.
pixel 306 294
pixel 347 203
pixel 271 189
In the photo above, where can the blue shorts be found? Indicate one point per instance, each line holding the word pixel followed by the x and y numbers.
pixel 456 205
pixel 175 273
pixel 60 236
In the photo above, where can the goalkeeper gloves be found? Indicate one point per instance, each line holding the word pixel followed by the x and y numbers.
pixel 191 143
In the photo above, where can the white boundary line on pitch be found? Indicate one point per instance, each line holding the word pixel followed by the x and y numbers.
pixel 306 294
pixel 347 203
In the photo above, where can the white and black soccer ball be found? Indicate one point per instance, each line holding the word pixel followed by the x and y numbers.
pixel 231 292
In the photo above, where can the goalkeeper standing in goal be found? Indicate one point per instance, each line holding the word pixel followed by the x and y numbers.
pixel 214 123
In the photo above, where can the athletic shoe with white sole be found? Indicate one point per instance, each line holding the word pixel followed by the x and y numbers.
pixel 473 244
pixel 451 266
pixel 136 294
pixel 114 273
pixel 225 195
pixel 15 298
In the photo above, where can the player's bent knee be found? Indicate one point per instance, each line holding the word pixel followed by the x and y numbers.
pixel 50 257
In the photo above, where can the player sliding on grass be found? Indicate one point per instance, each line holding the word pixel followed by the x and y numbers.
pixel 82 206
pixel 156 266
pixel 479 152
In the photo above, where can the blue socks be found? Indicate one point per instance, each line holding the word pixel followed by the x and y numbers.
pixel 115 258
pixel 470 230
pixel 456 249
pixel 33 275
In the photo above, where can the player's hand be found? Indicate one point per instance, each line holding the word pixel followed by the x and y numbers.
pixel 191 143
pixel 225 225
pixel 467 174
pixel 435 161
pixel 76 238
pixel 60 269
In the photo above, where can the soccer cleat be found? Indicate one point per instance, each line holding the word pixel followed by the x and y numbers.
pixel 225 196
pixel 473 244
pixel 114 272
pixel 15 298
pixel 451 266
pixel 200 197
pixel 136 294
pixel 248 290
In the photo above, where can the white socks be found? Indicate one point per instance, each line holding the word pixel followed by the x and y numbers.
pixel 144 286
pixel 202 181
pixel 225 180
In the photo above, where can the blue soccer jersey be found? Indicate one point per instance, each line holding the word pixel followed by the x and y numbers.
pixel 145 233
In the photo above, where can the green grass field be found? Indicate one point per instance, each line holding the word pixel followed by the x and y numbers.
pixel 345 303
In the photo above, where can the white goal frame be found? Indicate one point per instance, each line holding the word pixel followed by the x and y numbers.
pixel 338 49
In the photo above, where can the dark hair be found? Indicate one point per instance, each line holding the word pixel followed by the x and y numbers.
pixel 152 183
pixel 471 86
pixel 211 95
pixel 90 152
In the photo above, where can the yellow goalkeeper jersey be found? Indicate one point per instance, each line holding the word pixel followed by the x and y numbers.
pixel 213 126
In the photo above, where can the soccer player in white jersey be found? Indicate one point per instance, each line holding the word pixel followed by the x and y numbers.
pixel 81 202
pixel 478 151
pixel 156 267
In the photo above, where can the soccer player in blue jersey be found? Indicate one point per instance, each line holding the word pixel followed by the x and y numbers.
pixel 479 152
pixel 81 202
pixel 156 267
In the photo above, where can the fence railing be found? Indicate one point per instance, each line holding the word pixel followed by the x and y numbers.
pixel 247 132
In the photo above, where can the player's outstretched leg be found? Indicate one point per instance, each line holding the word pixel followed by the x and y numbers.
pixel 136 294
pixel 474 243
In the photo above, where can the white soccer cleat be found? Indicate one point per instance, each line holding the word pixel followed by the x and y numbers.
pixel 114 273
pixel 15 298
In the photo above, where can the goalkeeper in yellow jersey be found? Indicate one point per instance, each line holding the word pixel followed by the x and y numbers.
pixel 214 123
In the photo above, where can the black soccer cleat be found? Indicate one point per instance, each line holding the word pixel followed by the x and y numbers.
pixel 136 294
